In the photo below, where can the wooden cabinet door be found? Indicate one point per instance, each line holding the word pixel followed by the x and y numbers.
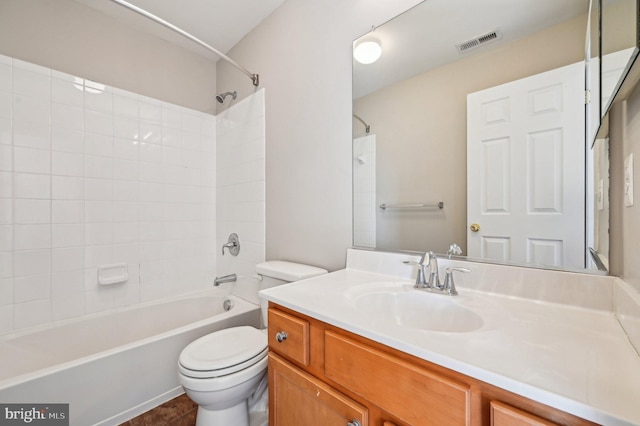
pixel 297 398
pixel 505 415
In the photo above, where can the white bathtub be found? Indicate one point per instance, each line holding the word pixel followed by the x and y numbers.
pixel 113 366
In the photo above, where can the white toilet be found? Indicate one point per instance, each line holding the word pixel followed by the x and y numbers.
pixel 224 370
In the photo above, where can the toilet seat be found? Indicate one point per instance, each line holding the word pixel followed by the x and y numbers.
pixel 223 352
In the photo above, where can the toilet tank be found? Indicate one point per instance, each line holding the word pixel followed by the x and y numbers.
pixel 278 272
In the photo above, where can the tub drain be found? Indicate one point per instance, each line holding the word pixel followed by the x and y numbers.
pixel 227 305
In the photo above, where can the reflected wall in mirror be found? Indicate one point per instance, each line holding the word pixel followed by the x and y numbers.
pixel 617 44
pixel 413 101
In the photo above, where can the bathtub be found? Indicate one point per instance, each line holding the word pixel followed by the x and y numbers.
pixel 113 366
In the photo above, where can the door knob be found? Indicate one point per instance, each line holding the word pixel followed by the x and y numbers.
pixel 474 227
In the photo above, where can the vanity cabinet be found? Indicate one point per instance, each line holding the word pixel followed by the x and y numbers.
pixel 301 399
pixel 323 375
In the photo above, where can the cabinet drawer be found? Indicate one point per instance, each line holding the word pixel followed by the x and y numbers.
pixel 505 415
pixel 296 344
pixel 413 394
pixel 297 398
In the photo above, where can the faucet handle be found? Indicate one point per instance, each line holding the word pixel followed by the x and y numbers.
pixel 233 244
pixel 454 250
pixel 449 285
pixel 420 278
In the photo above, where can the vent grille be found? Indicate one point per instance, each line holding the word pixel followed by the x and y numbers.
pixel 479 41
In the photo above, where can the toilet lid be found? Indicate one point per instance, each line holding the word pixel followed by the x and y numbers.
pixel 223 352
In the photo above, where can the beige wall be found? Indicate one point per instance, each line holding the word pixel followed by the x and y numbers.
pixel 624 139
pixel 624 134
pixel 420 123
pixel 67 36
pixel 303 55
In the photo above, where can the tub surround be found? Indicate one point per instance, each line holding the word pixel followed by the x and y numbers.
pixel 92 175
pixel 543 338
pixel 240 191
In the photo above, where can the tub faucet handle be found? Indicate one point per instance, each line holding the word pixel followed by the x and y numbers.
pixel 233 244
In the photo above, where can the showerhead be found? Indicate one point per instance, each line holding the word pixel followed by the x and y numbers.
pixel 220 97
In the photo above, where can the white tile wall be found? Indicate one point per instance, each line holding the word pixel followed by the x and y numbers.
pixel 91 175
pixel 241 191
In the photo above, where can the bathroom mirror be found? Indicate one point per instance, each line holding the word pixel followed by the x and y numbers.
pixel 413 172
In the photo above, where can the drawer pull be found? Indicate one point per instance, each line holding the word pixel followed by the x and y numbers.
pixel 281 337
pixel 353 423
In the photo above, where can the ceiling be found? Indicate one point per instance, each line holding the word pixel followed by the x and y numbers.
pixel 437 24
pixel 219 23
pixel 425 38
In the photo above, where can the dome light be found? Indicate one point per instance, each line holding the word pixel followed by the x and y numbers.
pixel 368 51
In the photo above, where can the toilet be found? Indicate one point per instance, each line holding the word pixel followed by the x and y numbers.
pixel 225 372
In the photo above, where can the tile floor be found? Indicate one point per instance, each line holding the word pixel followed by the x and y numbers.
pixel 179 411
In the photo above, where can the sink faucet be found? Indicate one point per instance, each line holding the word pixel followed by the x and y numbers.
pixel 432 284
pixel 428 260
pixel 434 276
pixel 421 280
pixel 449 286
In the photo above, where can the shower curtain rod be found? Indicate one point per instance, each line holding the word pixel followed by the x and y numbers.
pixel 367 127
pixel 254 77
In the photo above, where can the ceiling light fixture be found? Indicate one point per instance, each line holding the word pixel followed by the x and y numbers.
pixel 367 51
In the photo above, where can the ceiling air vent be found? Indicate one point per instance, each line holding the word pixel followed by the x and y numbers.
pixel 479 41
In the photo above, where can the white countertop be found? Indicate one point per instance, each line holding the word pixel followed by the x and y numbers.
pixel 575 359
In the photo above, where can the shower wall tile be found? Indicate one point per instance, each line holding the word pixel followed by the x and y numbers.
pixel 27 185
pixel 6 210
pixel 66 140
pixel 30 134
pixel 64 91
pixel 67 164
pixel 6 264
pixel 27 211
pixel 5 104
pixel 6 158
pixel 6 292
pixel 93 175
pixel 6 239
pixel 240 190
pixel 67 188
pixel 29 160
pixel 68 306
pixel 31 313
pixel 32 287
pixel 30 237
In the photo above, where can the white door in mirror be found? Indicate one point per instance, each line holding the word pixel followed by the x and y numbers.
pixel 531 125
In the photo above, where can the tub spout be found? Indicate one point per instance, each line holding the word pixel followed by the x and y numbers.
pixel 225 279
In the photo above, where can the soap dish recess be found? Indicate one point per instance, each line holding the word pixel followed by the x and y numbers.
pixel 115 273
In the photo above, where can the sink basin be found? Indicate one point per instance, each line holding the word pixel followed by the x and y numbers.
pixel 401 304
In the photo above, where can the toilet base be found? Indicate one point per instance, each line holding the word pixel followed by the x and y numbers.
pixel 259 418
pixel 238 415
